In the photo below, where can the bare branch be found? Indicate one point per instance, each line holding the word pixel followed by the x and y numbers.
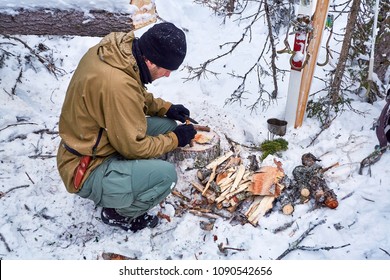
pixel 29 178
pixel 387 253
pixel 327 248
pixel 294 246
pixel 197 72
pixel 18 80
pixel 224 249
pixel 16 124
pixel 2 194
pixel 42 156
pixel 5 243
pixel 47 62
pixel 323 128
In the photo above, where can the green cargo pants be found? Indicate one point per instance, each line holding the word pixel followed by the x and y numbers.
pixel 132 187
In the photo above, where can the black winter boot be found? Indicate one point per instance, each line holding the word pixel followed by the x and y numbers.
pixel 112 218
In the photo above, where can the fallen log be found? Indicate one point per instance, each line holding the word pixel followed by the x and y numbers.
pixel 72 22
pixel 97 23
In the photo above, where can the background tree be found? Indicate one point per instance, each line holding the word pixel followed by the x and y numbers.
pixel 350 76
pixel 275 14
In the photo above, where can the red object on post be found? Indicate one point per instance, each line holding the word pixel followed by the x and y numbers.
pixel 300 42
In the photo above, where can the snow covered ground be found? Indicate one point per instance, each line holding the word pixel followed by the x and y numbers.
pixel 41 221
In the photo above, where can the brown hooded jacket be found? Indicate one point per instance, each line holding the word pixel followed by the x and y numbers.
pixel 106 92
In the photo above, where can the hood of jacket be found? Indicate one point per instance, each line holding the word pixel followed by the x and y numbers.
pixel 116 50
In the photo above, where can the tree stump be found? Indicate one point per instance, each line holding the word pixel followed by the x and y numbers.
pixel 200 154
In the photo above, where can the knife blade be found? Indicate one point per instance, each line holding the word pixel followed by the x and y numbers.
pixel 191 120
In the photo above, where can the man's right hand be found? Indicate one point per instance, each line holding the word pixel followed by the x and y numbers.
pixel 178 112
pixel 185 133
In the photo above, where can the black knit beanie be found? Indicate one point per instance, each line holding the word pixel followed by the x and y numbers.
pixel 165 45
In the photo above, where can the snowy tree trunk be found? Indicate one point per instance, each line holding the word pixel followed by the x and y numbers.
pixel 382 50
pixel 339 72
pixel 273 49
pixel 64 22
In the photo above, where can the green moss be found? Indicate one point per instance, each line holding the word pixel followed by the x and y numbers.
pixel 270 147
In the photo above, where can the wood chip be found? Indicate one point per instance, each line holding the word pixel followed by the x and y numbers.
pixel 228 193
pixel 208 194
pixel 260 206
pixel 221 176
pixel 226 182
pixel 212 177
pixel 242 187
pixel 265 204
pixel 114 256
pixel 200 138
pixel 237 180
pixel 265 180
pixel 219 160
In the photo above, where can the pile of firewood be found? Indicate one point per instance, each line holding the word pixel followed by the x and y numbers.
pixel 228 185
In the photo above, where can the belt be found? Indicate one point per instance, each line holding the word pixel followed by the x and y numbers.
pixel 71 150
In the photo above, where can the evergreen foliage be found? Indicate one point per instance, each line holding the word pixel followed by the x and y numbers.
pixel 270 147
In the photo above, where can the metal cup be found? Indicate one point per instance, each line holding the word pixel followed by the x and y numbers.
pixel 276 127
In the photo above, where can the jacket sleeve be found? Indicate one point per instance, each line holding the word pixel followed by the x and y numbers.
pixel 124 106
pixel 155 106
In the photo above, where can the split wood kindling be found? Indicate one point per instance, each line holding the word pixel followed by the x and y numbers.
pixel 226 183
pixel 229 186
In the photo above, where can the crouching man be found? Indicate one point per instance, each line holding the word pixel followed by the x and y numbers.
pixel 112 129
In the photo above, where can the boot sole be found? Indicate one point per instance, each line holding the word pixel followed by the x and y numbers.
pixel 152 224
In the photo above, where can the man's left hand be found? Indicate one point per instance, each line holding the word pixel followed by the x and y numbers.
pixel 178 112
